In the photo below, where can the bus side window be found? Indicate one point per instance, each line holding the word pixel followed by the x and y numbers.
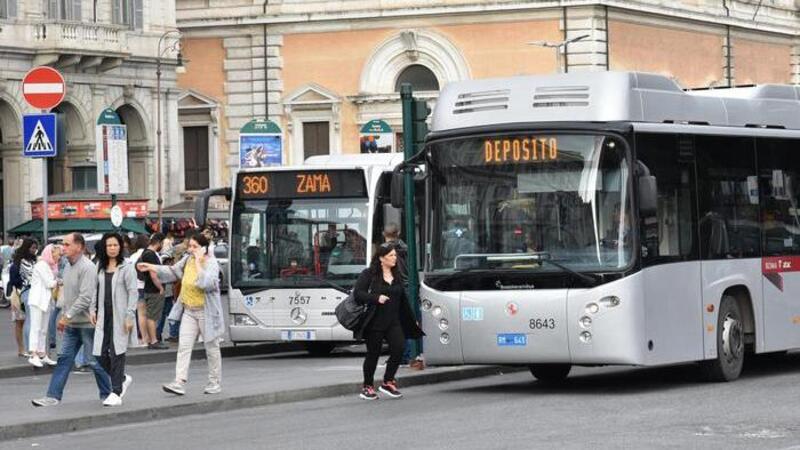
pixel 779 186
pixel 669 235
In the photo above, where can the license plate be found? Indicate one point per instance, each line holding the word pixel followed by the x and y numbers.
pixel 294 335
pixel 512 339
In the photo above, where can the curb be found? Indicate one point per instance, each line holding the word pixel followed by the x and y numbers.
pixel 68 425
pixel 163 356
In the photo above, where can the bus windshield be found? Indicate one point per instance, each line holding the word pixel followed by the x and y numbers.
pixel 517 202
pixel 289 243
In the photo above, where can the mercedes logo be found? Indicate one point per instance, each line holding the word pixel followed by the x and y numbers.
pixel 298 316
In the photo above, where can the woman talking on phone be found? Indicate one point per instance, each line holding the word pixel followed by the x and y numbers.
pixel 388 317
pixel 199 309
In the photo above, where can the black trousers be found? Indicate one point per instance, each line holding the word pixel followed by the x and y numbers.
pixel 397 341
pixel 113 364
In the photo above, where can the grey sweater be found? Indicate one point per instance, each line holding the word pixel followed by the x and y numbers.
pixel 80 289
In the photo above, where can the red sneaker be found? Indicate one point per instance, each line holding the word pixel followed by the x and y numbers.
pixel 390 388
pixel 368 393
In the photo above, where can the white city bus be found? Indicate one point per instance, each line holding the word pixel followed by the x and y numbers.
pixel 611 218
pixel 300 236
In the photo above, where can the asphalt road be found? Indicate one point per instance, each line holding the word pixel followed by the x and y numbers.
pixel 596 408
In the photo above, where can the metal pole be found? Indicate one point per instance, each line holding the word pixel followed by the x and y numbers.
pixel 411 236
pixel 113 204
pixel 266 65
pixel 44 192
pixel 44 202
pixel 159 200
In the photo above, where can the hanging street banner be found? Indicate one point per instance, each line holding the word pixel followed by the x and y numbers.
pixel 111 153
pixel 376 137
pixel 260 144
pixel 39 135
pixel 43 87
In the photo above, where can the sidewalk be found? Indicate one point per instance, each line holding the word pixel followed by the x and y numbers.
pixel 12 365
pixel 247 382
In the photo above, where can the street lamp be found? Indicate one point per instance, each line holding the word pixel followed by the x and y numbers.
pixel 558 45
pixel 180 68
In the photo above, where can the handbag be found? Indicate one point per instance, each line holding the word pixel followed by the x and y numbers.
pixel 349 313
pixel 16 302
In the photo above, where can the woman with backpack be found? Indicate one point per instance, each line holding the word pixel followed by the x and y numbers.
pixel 388 317
pixel 20 274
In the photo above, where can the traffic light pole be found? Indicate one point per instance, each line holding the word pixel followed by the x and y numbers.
pixel 411 236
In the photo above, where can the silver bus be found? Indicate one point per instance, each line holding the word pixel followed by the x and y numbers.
pixel 300 236
pixel 611 218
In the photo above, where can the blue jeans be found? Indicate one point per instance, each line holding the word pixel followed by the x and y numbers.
pixel 74 340
pixel 51 328
pixel 174 325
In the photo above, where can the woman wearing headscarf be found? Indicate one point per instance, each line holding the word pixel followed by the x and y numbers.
pixel 115 307
pixel 40 304
pixel 388 318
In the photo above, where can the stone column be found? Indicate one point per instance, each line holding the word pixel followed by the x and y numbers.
pixel 590 53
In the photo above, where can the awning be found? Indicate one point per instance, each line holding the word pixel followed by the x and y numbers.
pixel 81 225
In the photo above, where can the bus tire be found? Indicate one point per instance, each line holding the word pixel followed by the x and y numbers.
pixel 550 373
pixel 320 348
pixel 730 343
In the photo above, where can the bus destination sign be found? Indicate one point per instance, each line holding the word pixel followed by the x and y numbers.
pixel 300 184
pixel 520 149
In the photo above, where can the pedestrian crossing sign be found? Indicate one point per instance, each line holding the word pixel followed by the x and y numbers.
pixel 40 138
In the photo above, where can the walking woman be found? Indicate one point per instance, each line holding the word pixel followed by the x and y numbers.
pixel 117 294
pixel 40 304
pixel 199 309
pixel 388 317
pixel 19 277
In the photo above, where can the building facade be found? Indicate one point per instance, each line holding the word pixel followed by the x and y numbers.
pixel 107 51
pixel 322 70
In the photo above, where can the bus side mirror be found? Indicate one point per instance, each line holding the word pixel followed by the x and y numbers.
pixel 397 193
pixel 648 195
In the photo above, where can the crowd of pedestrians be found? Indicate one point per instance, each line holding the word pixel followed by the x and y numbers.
pixel 91 300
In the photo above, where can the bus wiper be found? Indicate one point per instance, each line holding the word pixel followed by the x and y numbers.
pixel 322 280
pixel 545 257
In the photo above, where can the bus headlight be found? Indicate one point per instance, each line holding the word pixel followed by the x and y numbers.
pixel 443 324
pixel 243 320
pixel 610 301
pixel 426 305
pixel 592 308
pixel 436 311
pixel 585 337
pixel 444 338
pixel 585 321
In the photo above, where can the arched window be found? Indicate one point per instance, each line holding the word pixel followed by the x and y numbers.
pixel 420 77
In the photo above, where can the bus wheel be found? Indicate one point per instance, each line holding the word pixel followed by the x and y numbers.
pixel 320 348
pixel 730 343
pixel 550 373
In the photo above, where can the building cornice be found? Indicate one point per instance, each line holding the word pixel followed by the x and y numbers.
pixel 371 17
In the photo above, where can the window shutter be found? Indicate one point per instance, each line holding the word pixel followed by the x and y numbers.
pixel 138 14
pixel 76 10
pixel 116 12
pixel 12 9
pixel 52 10
pixel 3 9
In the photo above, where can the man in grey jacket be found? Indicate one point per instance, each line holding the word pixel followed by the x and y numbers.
pixel 77 322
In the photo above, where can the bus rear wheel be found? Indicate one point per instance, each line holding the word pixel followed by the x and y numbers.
pixel 550 373
pixel 320 348
pixel 730 343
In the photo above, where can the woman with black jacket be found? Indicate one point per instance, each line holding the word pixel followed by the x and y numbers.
pixel 388 317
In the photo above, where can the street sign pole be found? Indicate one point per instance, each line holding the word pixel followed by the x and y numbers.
pixel 44 197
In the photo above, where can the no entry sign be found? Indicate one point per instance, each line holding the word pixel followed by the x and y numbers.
pixel 43 87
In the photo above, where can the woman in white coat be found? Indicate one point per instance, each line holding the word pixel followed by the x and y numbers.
pixel 40 301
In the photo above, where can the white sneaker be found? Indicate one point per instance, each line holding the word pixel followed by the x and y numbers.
pixel 35 361
pixel 112 400
pixel 49 361
pixel 176 387
pixel 125 385
pixel 212 388
pixel 45 401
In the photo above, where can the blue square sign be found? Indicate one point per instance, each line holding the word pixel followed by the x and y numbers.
pixel 39 135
